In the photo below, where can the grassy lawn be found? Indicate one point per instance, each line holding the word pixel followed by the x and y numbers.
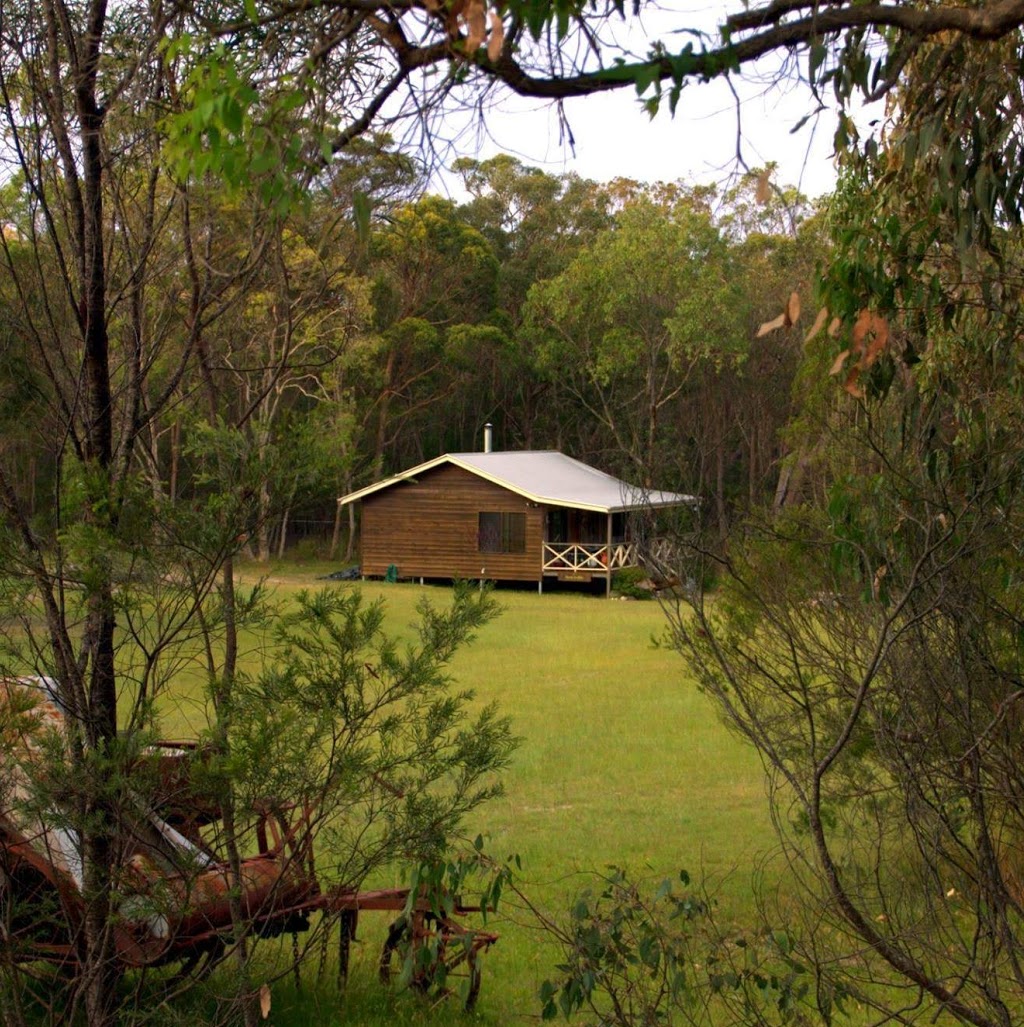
pixel 622 761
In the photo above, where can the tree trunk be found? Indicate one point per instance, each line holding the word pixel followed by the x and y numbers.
pixel 335 531
pixel 156 485
pixel 175 458
pixel 263 524
pixel 222 742
pixel 350 547
pixel 99 970
pixel 382 418
pixel 752 469
pixel 723 527
pixel 284 533
pixel 100 726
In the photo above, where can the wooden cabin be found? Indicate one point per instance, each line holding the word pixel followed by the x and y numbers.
pixel 507 516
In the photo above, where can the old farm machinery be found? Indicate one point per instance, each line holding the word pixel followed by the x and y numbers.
pixel 173 883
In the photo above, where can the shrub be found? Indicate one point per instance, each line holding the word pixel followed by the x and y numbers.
pixel 632 582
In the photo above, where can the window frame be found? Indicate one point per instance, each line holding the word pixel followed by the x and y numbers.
pixel 504 534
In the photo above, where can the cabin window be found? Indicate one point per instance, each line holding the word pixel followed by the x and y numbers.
pixel 558 525
pixel 502 533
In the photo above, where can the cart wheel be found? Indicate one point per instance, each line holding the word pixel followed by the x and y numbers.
pixel 199 965
pixel 441 977
pixel 473 970
pixel 396 949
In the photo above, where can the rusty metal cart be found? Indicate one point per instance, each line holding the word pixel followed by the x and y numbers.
pixel 174 889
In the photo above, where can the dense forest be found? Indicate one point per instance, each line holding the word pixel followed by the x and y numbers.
pixel 617 322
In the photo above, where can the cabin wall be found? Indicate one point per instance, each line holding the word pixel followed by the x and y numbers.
pixel 429 528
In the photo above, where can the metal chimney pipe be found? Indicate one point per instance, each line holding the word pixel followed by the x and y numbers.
pixel 488 438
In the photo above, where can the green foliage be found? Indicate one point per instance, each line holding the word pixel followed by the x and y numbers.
pixel 367 730
pixel 253 141
pixel 886 609
pixel 925 221
pixel 629 582
pixel 633 318
pixel 660 282
pixel 442 883
pixel 861 643
pixel 610 800
pixel 363 732
pixel 433 266
pixel 633 954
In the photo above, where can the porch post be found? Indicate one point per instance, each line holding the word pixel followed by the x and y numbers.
pixel 608 562
pixel 544 511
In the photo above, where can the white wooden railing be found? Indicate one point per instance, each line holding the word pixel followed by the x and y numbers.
pixel 596 557
pixel 579 556
pixel 657 554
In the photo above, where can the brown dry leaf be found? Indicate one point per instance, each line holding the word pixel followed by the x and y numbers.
pixel 879 574
pixel 455 12
pixel 793 308
pixel 870 335
pixel 861 330
pixel 837 366
pixel 819 323
pixel 833 327
pixel 772 325
pixel 265 1000
pixel 879 332
pixel 763 190
pixel 496 38
pixel 476 24
pixel 852 383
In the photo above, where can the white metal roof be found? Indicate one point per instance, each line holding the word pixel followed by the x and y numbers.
pixel 543 476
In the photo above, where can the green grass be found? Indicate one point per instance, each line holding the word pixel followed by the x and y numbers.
pixel 622 761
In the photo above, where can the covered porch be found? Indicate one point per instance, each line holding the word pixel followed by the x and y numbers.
pixel 580 545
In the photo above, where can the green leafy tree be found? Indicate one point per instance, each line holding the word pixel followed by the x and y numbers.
pixel 625 328
pixel 370 731
pixel 537 223
pixel 867 649
pixel 742 411
pixel 300 313
pixel 865 640
pixel 433 273
pixel 115 271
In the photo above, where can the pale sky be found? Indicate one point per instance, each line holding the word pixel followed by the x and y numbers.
pixel 614 138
